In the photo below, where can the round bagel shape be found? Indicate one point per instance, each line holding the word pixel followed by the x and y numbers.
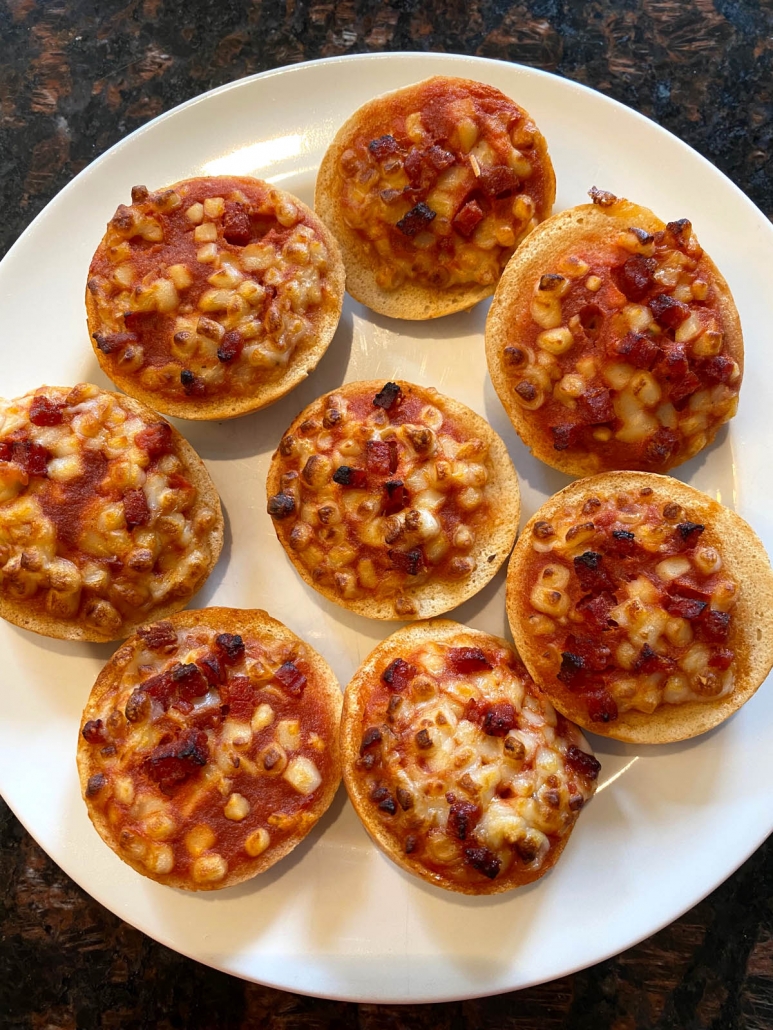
pixel 414 299
pixel 439 591
pixel 279 378
pixel 38 620
pixel 357 743
pixel 130 838
pixel 743 557
pixel 515 360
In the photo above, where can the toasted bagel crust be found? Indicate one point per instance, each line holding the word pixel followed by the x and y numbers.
pixel 440 590
pixel 588 230
pixel 35 618
pixel 276 381
pixel 321 699
pixel 743 557
pixel 414 299
pixel 389 831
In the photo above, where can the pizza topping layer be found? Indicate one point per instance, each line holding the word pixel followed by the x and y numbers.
pixel 466 766
pixel 98 522
pixel 208 289
pixel 631 605
pixel 211 749
pixel 621 350
pixel 442 197
pixel 380 494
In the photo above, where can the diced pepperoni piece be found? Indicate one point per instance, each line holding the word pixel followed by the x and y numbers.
pixel 414 166
pixel 161 687
pixel 135 508
pixel 718 369
pixel 485 861
pixel 239 694
pixel 688 586
pixel 389 395
pixel 595 609
pixel 462 817
pixel 464 660
pixel 595 406
pixel 188 681
pixel 370 738
pixel 467 218
pixel 345 475
pixel 94 732
pixel 45 412
pixel 636 349
pixel 661 446
pixel 685 607
pixel 291 678
pixel 684 388
pixel 109 343
pixel 230 647
pixel 159 636
pixel 474 711
pixel 156 439
pixel 572 667
pixel 397 497
pixel 230 346
pixel 410 562
pixel 582 763
pixel 623 543
pixel 394 456
pixel 689 532
pixel 171 764
pixel 565 436
pixel 585 654
pixel 590 569
pixel 635 277
pixel 439 158
pixel 417 220
pixel 382 147
pixel 398 674
pixel 236 224
pixel 667 311
pixel 602 707
pixel 716 625
pixel 31 457
pixel 722 659
pixel 499 719
pixel 650 661
pixel 212 669
pixel 377 457
pixel 500 181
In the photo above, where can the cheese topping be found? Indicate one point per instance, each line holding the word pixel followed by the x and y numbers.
pixel 466 766
pixel 98 523
pixel 381 495
pixel 213 744
pixel 633 604
pixel 208 289
pixel 452 178
pixel 620 352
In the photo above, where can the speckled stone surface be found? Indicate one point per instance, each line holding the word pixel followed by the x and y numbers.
pixel 78 75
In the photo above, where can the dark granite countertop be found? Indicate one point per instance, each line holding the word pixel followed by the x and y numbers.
pixel 78 75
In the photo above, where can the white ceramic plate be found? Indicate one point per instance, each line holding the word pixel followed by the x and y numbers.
pixel 336 918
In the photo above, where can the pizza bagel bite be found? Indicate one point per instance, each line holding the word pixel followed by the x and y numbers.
pixel 108 517
pixel 213 297
pixel 209 747
pixel 429 190
pixel 641 607
pixel 457 764
pixel 393 500
pixel 613 341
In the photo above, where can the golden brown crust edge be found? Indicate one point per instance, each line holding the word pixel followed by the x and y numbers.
pixel 355 696
pixel 227 620
pixel 303 362
pixel 197 475
pixel 411 301
pixel 430 599
pixel 753 614
pixel 541 247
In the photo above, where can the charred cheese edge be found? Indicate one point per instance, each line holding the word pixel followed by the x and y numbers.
pixel 457 764
pixel 108 517
pixel 209 747
pixel 393 500
pixel 613 341
pixel 213 297
pixel 641 607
